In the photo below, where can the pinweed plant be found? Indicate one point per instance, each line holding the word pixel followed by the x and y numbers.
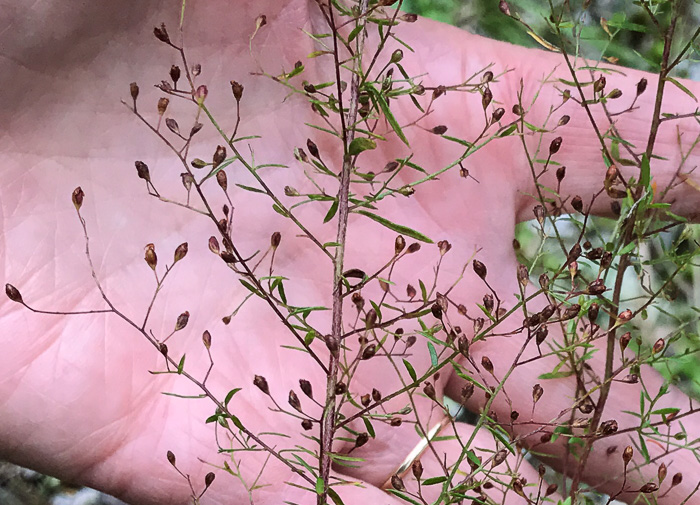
pixel 548 353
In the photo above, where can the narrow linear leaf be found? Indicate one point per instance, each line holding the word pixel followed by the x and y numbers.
pixel 403 230
pixel 433 355
pixel 384 106
pixel 410 369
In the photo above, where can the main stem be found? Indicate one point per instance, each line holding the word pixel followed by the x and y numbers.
pixel 348 134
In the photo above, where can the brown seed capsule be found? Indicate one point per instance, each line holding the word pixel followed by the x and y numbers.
pixel 649 487
pixel 627 454
pixel 417 469
pixel 545 438
pixel 261 383
pixel 399 245
pixel 341 388
pixel 518 110
pixel 201 92
pixel 631 379
pixel 260 21
pixel 497 114
pixel 181 252
pixel 206 339
pixel 370 319
pixel 514 415
pixel 182 320
pixel 439 129
pixel 439 91
pixel 414 247
pixel 487 77
pixel 537 392
pixel 175 74
pixel 555 145
pixel 163 105
pixel 219 156
pixel 214 245
pixel 463 345
pixel 237 90
pixel 551 489
pixel 172 126
pixel 208 479
pixel 313 148
pixel 307 424
pixel 466 393
pixel 662 472
pixel 487 364
pixel 593 312
pixel 658 346
pixel 503 7
pixel 222 179
pixel 397 483
pixel 571 312
pixel 539 212
pixel 486 98
pixel 488 302
pixel 365 400
pixel 625 340
pixel 436 311
pixel 409 17
pixel 171 458
pixel 444 247
pixel 361 439
pixel 676 479
pixel 596 287
pixel 333 344
pixel 577 203
pixel 479 268
pixel 77 198
pixel 294 401
pixel 541 470
pixel 305 387
pixel 625 316
pixel 410 292
pixel 275 240
pixel 499 458
pixel 614 94
pixel 547 312
pixel 523 275
pixel 150 256
pixel 479 324
pixel 541 334
pixel 396 422
pixel 608 427
pixel 163 349
pixel 599 84
pixel 161 33
pixel 369 352
pixel 134 91
pixel 429 391
pixel 13 293
pixel 563 120
pixel 561 173
pixel 641 86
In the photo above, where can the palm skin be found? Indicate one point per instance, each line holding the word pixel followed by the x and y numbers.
pixel 76 398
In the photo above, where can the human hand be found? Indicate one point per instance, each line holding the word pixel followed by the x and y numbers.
pixel 77 399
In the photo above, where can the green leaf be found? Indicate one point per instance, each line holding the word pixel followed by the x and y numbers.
pixel 645 176
pixel 434 480
pixel 410 369
pixel 181 364
pixel 369 427
pixel 681 87
pixel 384 106
pixel 666 411
pixel 230 395
pixel 433 355
pixel 556 375
pixel 331 211
pixel 251 189
pixel 361 144
pixel 250 288
pixel 423 290
pixel 355 31
pixel 334 496
pixel 403 230
pixel 319 486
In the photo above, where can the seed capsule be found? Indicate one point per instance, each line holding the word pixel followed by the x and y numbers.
pixel 182 320
pixel 261 383
pixel 181 251
pixel 237 90
pixel 77 198
pixel 13 293
pixel 479 268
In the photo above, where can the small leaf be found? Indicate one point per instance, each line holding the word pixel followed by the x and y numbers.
pixel 331 211
pixel 681 87
pixel 403 230
pixel 433 355
pixel 361 144
pixel 410 369
pixel 230 395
